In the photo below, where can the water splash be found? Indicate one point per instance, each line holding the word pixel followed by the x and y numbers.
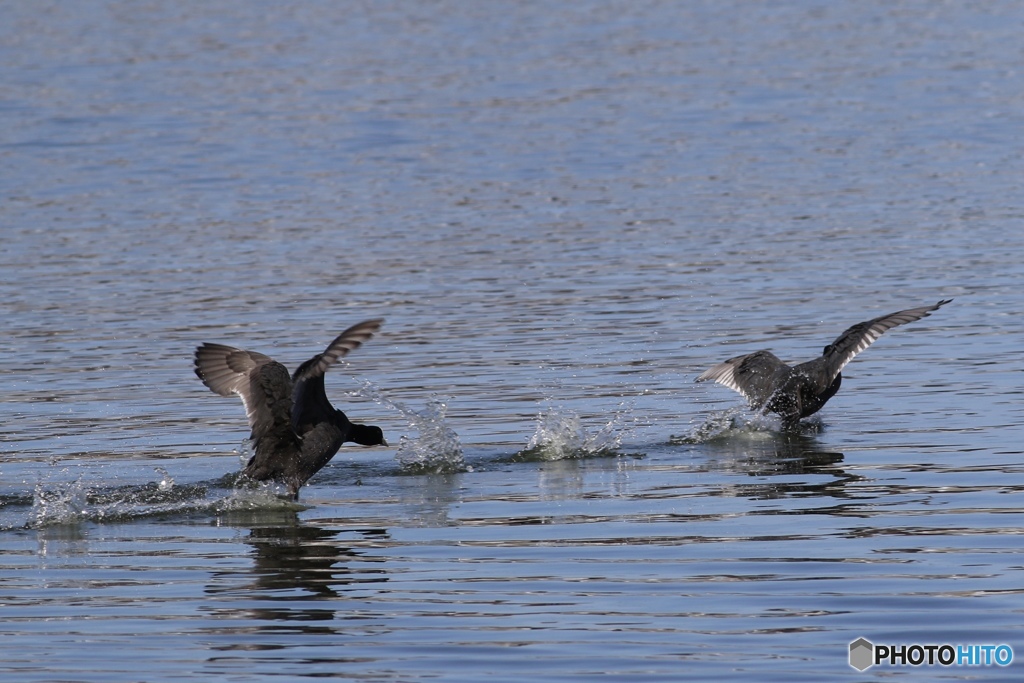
pixel 64 504
pixel 561 435
pixel 263 496
pixel 76 502
pixel 245 452
pixel 716 424
pixel 166 482
pixel 739 422
pixel 437 449
pixel 65 497
pixel 72 494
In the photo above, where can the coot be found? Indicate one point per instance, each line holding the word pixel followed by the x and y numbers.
pixel 295 429
pixel 795 392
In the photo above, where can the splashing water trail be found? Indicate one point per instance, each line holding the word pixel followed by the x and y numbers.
pixel 738 421
pixel 561 435
pixel 166 482
pixel 59 505
pixel 71 495
pixel 245 451
pixel 714 425
pixel 437 449
pixel 265 496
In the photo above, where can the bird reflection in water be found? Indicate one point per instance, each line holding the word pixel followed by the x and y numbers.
pixel 768 455
pixel 298 568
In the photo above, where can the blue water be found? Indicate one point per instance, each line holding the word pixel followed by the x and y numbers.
pixel 565 213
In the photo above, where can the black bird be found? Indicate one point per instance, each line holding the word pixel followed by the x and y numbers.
pixel 801 390
pixel 295 429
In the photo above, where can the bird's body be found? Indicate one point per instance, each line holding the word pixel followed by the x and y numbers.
pixel 796 392
pixel 295 429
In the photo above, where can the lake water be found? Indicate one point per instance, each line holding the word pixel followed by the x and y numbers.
pixel 565 213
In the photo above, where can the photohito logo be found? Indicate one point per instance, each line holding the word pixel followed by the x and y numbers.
pixel 864 654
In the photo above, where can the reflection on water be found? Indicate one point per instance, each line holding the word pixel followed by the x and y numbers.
pixel 427 500
pixel 297 568
pixel 62 540
pixel 569 479
pixel 790 465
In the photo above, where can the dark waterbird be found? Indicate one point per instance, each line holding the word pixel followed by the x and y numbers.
pixel 795 392
pixel 295 429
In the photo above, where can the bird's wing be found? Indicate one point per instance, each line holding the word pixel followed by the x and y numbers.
pixel 754 375
pixel 862 335
pixel 349 340
pixel 262 383
pixel 309 401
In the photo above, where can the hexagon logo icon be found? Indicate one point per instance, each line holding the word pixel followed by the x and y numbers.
pixel 862 654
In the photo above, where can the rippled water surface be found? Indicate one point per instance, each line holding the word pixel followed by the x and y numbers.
pixel 565 213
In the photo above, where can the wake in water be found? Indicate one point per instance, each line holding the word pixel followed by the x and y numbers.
pixel 561 435
pixel 739 422
pixel 437 449
pixel 75 501
pixel 66 497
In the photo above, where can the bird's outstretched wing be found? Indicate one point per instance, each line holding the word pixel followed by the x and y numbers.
pixel 860 336
pixel 349 340
pixel 754 375
pixel 309 401
pixel 262 383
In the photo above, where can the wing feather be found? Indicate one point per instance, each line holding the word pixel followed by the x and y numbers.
pixel 349 340
pixel 261 382
pixel 862 335
pixel 754 375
